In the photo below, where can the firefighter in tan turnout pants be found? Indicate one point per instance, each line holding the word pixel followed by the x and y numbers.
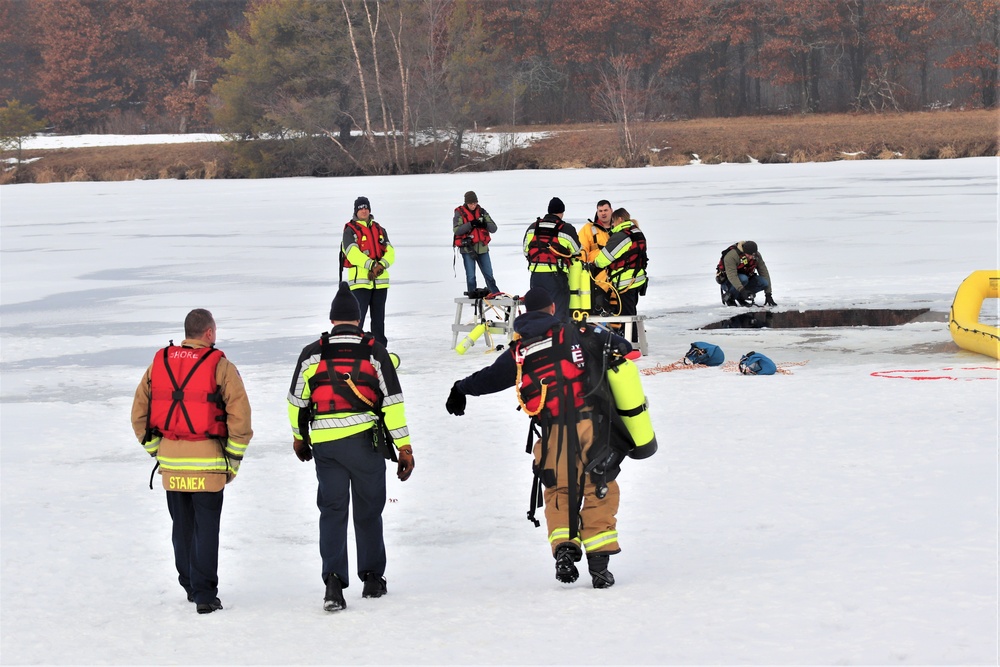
pixel 552 366
pixel 192 413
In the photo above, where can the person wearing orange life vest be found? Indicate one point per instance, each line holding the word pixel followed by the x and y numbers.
pixel 367 254
pixel 345 406
pixel 558 371
pixel 624 258
pixel 472 227
pixel 191 413
pixel 551 245
pixel 593 237
pixel 741 273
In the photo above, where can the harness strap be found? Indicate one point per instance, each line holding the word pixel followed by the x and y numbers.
pixel 536 499
pixel 357 392
pixel 178 393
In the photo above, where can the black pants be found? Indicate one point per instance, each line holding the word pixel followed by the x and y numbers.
pixel 375 299
pixel 350 470
pixel 556 283
pixel 629 300
pixel 196 518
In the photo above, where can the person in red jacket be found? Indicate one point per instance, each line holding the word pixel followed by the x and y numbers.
pixel 367 254
pixel 472 227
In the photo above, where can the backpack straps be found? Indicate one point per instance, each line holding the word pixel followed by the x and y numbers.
pixel 536 499
pixel 177 395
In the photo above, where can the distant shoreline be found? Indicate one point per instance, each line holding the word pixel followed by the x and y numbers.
pixel 764 139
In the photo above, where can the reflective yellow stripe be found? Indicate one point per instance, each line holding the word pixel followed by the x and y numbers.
pixel 152 445
pixel 560 535
pixel 237 449
pixel 601 540
pixel 192 464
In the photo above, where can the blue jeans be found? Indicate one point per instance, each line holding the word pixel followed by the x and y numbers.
pixel 470 260
pixel 753 285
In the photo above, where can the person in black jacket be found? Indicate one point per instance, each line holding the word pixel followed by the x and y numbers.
pixel 345 407
pixel 576 426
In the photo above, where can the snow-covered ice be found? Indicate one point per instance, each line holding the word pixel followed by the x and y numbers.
pixel 840 514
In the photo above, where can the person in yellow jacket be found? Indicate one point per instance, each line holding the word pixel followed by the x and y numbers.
pixel 624 258
pixel 191 412
pixel 345 406
pixel 593 238
pixel 367 254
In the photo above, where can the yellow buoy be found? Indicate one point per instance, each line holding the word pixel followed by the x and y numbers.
pixel 471 339
pixel 966 329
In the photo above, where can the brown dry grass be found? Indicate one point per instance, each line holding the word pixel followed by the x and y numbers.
pixel 125 163
pixel 812 138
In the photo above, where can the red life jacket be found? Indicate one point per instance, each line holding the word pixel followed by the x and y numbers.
pixel 636 258
pixel 345 379
pixel 478 234
pixel 746 264
pixel 185 401
pixel 550 372
pixel 371 240
pixel 545 239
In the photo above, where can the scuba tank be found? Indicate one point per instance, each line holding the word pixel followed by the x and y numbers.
pixel 626 389
pixel 471 338
pixel 579 291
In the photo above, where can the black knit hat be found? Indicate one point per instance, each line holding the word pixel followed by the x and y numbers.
pixel 362 202
pixel 471 198
pixel 345 306
pixel 749 247
pixel 537 299
pixel 556 205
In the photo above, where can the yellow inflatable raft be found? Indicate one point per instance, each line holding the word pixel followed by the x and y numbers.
pixel 966 329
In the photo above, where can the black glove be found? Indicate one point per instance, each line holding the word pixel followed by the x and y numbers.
pixel 769 301
pixel 456 401
pixel 743 294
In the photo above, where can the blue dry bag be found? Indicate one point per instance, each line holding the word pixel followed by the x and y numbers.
pixel 755 363
pixel 705 354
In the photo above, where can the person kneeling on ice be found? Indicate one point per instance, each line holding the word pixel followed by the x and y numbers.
pixel 345 406
pixel 741 273
pixel 559 371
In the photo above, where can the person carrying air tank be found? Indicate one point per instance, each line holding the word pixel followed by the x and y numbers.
pixel 586 405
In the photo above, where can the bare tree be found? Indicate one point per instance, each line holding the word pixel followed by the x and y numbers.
pixel 623 102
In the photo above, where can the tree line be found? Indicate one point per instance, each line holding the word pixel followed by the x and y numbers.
pixel 368 80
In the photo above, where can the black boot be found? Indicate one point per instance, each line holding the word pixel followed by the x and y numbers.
pixel 374 585
pixel 209 607
pixel 599 574
pixel 334 598
pixel 567 554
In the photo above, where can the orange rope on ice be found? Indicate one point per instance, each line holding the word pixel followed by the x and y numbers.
pixel 729 367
